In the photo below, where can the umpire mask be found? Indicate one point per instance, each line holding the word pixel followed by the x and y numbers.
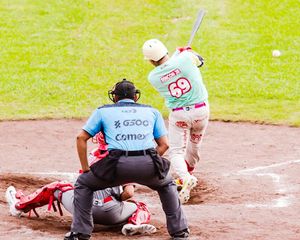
pixel 124 89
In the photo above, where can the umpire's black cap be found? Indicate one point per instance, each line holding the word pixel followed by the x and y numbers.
pixel 124 89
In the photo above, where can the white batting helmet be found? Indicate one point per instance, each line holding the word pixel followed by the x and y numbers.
pixel 154 49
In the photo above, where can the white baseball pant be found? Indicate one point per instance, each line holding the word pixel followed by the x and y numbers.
pixel 186 131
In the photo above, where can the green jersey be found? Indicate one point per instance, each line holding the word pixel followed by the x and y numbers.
pixel 179 81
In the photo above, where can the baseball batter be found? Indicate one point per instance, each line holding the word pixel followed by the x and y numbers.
pixel 179 81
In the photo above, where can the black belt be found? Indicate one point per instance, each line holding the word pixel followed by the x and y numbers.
pixel 136 153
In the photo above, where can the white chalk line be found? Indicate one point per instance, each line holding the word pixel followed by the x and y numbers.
pixel 269 166
pixel 280 186
pixel 69 175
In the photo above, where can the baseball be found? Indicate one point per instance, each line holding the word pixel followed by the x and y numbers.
pixel 276 53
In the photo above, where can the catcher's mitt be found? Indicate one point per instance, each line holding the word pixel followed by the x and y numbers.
pixel 141 215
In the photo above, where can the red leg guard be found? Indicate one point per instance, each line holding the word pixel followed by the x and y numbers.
pixel 42 196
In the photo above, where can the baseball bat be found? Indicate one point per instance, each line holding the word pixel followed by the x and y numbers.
pixel 196 26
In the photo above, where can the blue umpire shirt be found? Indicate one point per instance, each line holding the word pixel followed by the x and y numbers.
pixel 127 125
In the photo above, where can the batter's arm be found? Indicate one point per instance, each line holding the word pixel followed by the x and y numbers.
pixel 162 145
pixel 194 56
pixel 196 59
pixel 81 142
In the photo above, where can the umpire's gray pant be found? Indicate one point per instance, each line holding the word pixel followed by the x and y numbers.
pixel 135 169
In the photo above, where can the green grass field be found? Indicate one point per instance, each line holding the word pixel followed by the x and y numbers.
pixel 58 58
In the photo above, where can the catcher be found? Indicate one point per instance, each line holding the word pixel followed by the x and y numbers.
pixel 109 206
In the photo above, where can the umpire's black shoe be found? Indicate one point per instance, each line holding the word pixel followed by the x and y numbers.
pixel 76 236
pixel 184 234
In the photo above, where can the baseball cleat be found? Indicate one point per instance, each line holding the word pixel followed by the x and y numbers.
pixel 76 236
pixel 184 234
pixel 11 199
pixel 131 229
pixel 188 184
pixel 179 183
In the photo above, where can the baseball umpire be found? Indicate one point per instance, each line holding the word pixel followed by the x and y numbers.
pixel 129 130
pixel 178 79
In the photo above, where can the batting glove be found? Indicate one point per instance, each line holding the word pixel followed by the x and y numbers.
pixel 186 48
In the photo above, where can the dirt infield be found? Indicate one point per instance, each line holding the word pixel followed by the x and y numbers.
pixel 249 182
